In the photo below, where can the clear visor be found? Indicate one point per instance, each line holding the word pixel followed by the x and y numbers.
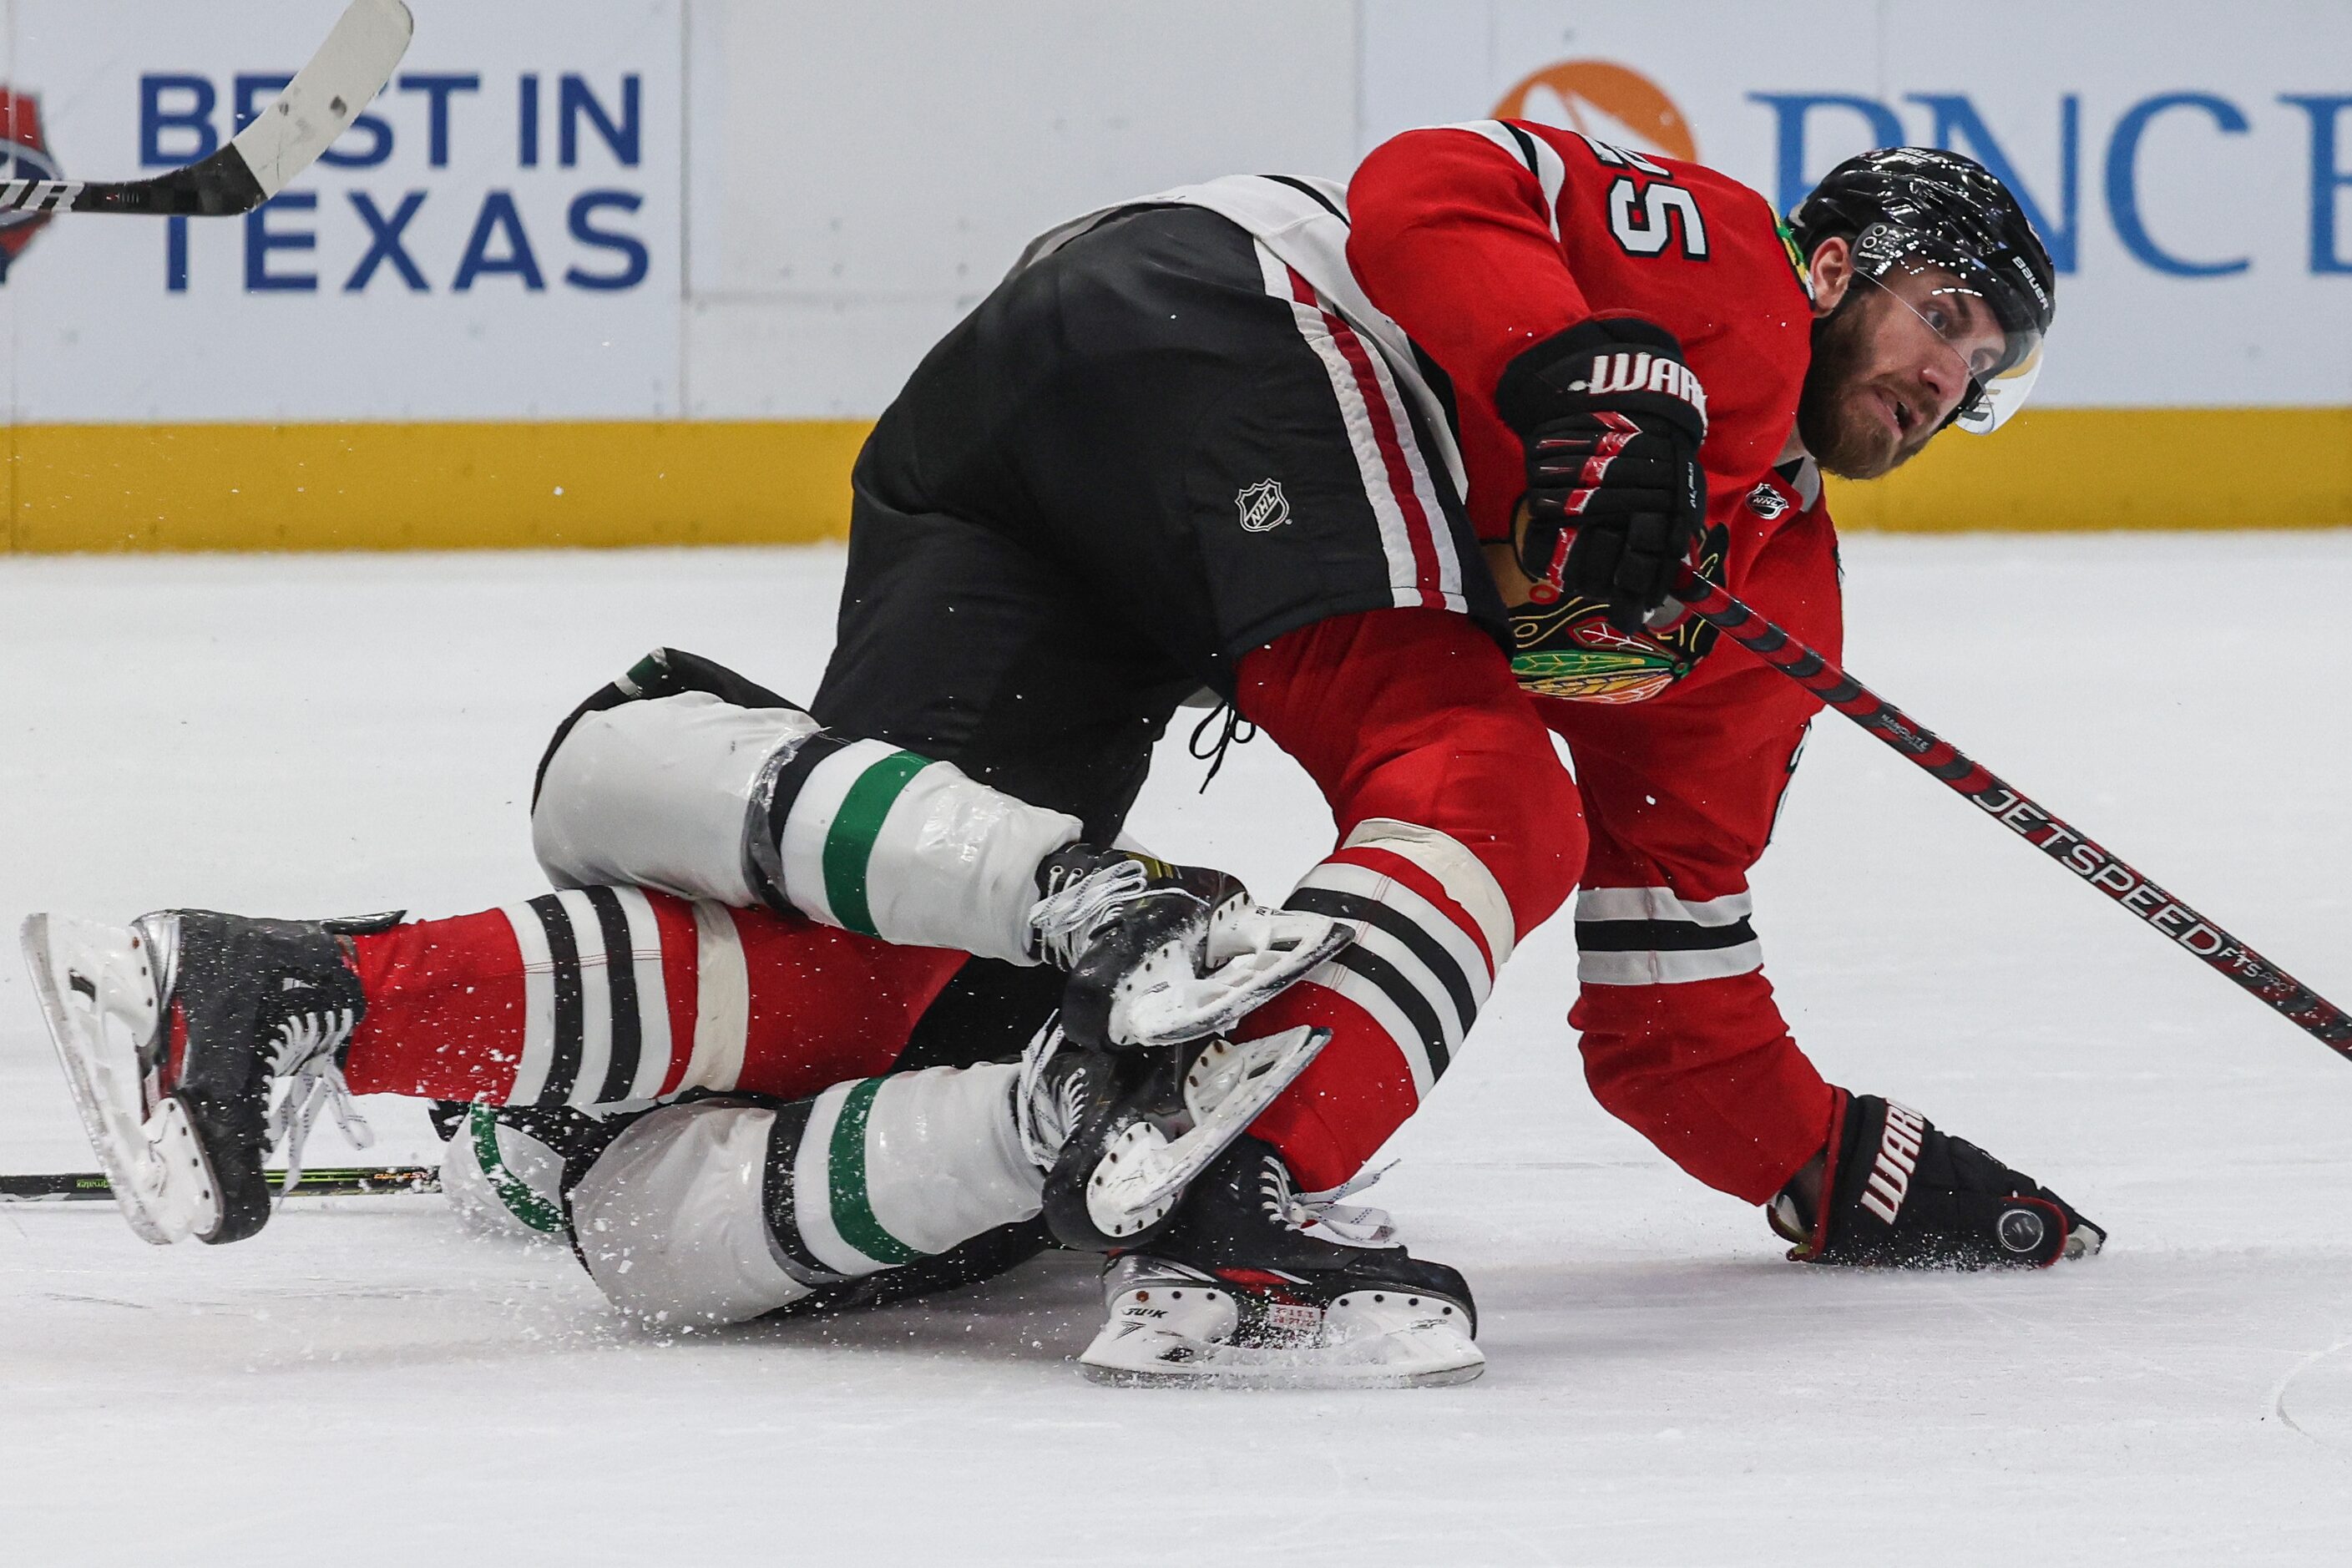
pixel 1951 300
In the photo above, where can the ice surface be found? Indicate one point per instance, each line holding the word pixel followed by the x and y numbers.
pixel 364 1385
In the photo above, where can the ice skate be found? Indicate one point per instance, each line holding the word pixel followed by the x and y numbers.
pixel 173 1033
pixel 1256 1286
pixel 1161 955
pixel 1121 1134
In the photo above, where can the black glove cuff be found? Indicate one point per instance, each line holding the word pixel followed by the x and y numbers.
pixel 1622 355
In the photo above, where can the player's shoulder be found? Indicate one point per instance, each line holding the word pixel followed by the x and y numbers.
pixel 1737 215
pixel 1585 151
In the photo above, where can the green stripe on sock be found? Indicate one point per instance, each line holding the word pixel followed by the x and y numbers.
pixel 510 1189
pixel 849 847
pixel 853 1210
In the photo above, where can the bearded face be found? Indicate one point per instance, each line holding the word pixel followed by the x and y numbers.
pixel 1851 414
pixel 1881 381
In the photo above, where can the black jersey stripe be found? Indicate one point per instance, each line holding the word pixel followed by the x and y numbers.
pixel 1309 192
pixel 778 1199
pixel 1443 385
pixel 1402 926
pixel 620 982
pixel 1408 1001
pixel 1526 149
pixel 1660 936
pixel 563 953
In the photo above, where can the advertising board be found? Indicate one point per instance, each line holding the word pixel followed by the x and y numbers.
pixel 605 271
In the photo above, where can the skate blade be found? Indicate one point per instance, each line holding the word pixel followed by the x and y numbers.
pixel 1123 1357
pixel 1277 949
pixel 86 979
pixel 1140 1176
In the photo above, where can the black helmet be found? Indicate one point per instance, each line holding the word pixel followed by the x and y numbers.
pixel 1927 206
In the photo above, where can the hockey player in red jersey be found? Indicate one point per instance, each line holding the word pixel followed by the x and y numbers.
pixel 1378 466
pixel 1892 310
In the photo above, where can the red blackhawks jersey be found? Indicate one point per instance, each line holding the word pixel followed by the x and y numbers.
pixel 1482 240
pixel 1453 250
pixel 1479 241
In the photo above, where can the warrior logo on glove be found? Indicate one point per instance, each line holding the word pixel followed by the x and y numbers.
pixel 1900 1193
pixel 1612 420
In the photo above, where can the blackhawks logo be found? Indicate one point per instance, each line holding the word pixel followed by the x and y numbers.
pixel 1568 649
pixel 24 155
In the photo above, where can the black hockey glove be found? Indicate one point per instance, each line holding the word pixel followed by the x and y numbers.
pixel 1898 1194
pixel 1612 420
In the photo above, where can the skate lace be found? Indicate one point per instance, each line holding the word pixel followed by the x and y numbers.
pixel 1043 1119
pixel 1237 731
pixel 1069 915
pixel 304 1055
pixel 1356 1225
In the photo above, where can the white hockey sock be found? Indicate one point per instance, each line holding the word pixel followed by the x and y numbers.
pixel 718 1212
pixel 697 797
pixel 886 842
pixel 886 1170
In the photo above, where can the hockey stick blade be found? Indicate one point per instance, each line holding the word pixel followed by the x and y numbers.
pixel 350 68
pixel 2005 803
pixel 352 1181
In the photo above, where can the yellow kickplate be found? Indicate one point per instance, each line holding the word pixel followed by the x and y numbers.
pixel 428 487
pixel 511 486
pixel 2120 467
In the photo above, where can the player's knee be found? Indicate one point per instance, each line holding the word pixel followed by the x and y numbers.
pixel 1549 836
pixel 664 672
pixel 654 790
pixel 670 1219
pixel 1528 816
pixel 1526 825
pixel 1493 787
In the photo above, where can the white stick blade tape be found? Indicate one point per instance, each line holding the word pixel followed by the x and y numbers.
pixel 350 68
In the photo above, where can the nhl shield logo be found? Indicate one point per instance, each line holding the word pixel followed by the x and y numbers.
pixel 1767 503
pixel 1263 506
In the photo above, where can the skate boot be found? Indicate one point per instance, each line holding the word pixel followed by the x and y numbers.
pixel 1121 1134
pixel 1160 954
pixel 173 1033
pixel 1252 1287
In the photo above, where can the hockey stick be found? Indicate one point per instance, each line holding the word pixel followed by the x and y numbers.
pixel 2009 805
pixel 350 68
pixel 350 1181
